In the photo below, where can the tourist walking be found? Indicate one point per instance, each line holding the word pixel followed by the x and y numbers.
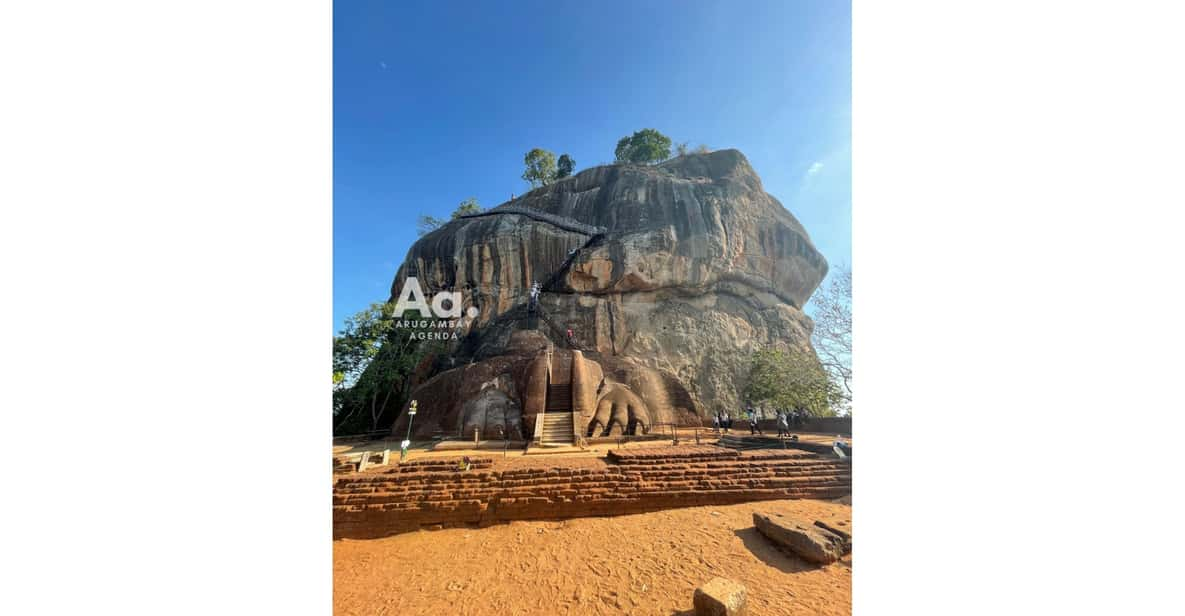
pixel 716 423
pixel 534 296
pixel 783 424
pixel 753 427
pixel 725 420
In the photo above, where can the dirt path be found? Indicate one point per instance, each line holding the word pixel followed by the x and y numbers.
pixel 636 564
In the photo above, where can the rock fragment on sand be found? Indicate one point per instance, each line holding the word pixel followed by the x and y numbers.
pixel 720 597
pixel 816 543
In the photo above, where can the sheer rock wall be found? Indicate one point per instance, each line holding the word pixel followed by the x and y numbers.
pixel 696 268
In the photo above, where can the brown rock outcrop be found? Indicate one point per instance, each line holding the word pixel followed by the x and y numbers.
pixel 816 543
pixel 669 277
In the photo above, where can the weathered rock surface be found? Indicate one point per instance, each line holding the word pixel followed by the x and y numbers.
pixel 816 543
pixel 670 276
pixel 720 597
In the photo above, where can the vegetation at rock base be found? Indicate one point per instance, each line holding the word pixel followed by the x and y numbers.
pixel 541 167
pixel 564 167
pixel 374 360
pixel 427 224
pixel 791 380
pixel 645 147
pixel 832 337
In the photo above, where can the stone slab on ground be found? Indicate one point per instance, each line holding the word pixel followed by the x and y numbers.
pixel 813 543
pixel 720 597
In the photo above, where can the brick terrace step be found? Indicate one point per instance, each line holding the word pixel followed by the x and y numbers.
pixel 650 455
pixel 434 492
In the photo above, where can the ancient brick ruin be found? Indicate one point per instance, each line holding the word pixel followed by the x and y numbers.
pixel 435 493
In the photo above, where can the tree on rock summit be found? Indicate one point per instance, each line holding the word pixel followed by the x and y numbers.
pixel 540 167
pixel 468 206
pixel 428 224
pixel 644 147
pixel 564 167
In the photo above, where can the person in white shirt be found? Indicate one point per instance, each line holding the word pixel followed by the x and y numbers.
pixel 841 448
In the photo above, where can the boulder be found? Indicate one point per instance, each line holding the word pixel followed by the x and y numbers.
pixel 670 276
pixel 720 597
pixel 812 542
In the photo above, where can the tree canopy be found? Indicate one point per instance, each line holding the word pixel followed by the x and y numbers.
pixel 540 167
pixel 373 362
pixel 427 224
pixel 468 206
pixel 644 147
pixel 832 335
pixel 564 166
pixel 792 380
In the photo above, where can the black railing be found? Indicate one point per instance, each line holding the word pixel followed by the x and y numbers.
pixel 547 217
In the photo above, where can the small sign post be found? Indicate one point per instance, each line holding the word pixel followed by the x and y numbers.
pixel 411 414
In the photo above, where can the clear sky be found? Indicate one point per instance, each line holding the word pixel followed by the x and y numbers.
pixel 438 101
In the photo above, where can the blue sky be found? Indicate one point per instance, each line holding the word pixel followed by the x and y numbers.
pixel 438 101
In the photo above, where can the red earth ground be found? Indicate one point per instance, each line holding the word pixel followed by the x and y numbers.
pixel 634 564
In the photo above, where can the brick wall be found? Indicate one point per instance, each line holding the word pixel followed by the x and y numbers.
pixel 434 493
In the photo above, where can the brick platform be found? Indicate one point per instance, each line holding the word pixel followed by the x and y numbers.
pixel 433 493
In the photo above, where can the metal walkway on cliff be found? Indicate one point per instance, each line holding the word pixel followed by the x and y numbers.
pixel 535 311
pixel 568 224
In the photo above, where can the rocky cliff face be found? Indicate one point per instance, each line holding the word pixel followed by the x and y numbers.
pixel 669 277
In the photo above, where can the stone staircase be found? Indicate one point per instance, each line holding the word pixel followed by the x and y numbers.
pixel 557 417
pixel 557 428
pixel 435 494
pixel 559 397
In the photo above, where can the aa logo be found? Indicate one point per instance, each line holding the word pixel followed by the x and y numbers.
pixel 445 305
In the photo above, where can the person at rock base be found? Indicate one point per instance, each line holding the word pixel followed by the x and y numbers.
pixel 842 449
pixel 726 420
pixel 783 424
pixel 571 338
pixel 716 423
pixel 534 297
pixel 753 427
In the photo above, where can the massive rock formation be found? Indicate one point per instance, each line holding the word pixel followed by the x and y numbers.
pixel 669 277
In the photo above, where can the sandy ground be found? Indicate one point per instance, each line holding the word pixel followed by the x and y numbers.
pixel 635 564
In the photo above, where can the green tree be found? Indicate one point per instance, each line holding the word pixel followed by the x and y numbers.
pixel 564 167
pixel 644 147
pixel 374 358
pixel 791 380
pixel 468 206
pixel 427 224
pixel 540 167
